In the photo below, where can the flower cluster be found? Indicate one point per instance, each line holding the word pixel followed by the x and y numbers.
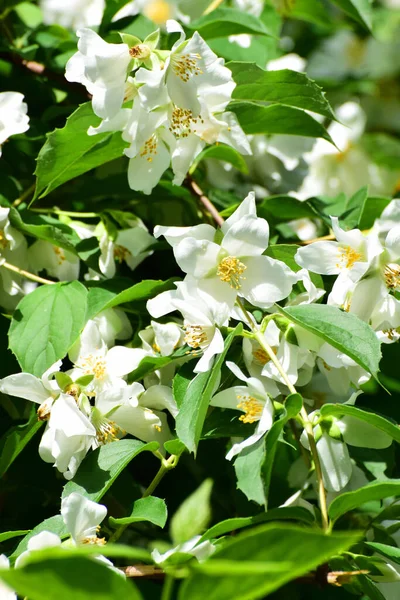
pixel 167 104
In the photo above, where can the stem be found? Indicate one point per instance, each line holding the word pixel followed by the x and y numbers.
pixel 212 6
pixel 306 422
pixel 67 213
pixel 168 588
pixel 166 465
pixel 24 195
pixel 206 202
pixel 26 274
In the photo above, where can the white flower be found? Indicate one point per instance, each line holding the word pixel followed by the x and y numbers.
pixel 59 263
pixel 82 518
pixel 113 324
pixel 13 249
pixel 129 246
pixel 68 436
pixel 13 117
pixel 42 391
pixel 237 265
pixel 44 539
pixel 253 400
pixel 158 11
pixel 91 356
pixel 200 551
pixel 102 68
pixel 291 61
pixel 5 592
pixel 73 14
pixel 202 315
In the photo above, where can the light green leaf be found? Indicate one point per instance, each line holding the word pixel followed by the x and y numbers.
pixel 277 119
pixel 303 549
pixel 309 10
pixel 190 419
pixel 101 468
pixel 342 330
pixel 70 151
pixel 149 364
pixel 372 209
pixel 223 22
pixel 69 577
pixel 53 524
pixel 383 149
pixel 390 552
pixel 295 513
pixel 15 439
pixel 248 466
pixel 284 253
pixel 359 10
pixel 108 294
pixel 224 153
pixel 355 208
pixel 46 323
pixel 282 87
pixel 150 509
pixel 9 535
pixel 343 410
pixel 376 490
pixel 193 515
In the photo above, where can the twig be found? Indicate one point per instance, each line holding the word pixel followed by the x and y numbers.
pixel 146 571
pixel 206 202
pixel 215 4
pixel 66 213
pixel 26 274
pixel 331 236
pixel 24 195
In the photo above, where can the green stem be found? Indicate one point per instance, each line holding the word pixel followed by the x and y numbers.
pixel 66 213
pixel 166 465
pixel 168 588
pixel 26 274
pixel 215 4
pixel 258 335
pixel 24 195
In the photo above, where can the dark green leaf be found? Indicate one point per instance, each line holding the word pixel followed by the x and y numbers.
pixel 224 153
pixel 150 509
pixel 223 22
pixel 355 208
pixel 8 535
pixel 248 469
pixel 15 439
pixel 343 410
pixel 46 323
pixel 359 10
pixel 376 490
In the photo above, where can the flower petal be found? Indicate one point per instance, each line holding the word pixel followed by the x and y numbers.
pixel 266 281
pixel 81 516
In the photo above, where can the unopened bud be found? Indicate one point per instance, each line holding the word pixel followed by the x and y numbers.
pixel 73 390
pixel 140 51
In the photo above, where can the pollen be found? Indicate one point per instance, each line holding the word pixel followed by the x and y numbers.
pixel 108 431
pixel 3 240
pixel 141 51
pixel 93 540
pixel 60 255
pixel 182 122
pixel 94 365
pixel 252 409
pixel 44 410
pixel 149 148
pixel 195 336
pixel 347 257
pixel 158 11
pixel 157 428
pixel 231 270
pixel 121 253
pixel 392 276
pixel 186 65
pixel 261 356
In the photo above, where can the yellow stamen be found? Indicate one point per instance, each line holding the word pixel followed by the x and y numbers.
pixel 392 276
pixel 3 240
pixel 59 252
pixel 93 540
pixel 252 409
pixel 140 51
pixel 149 148
pixel 195 336
pixel 261 356
pixel 231 270
pixel 121 253
pixel 185 65
pixel 158 11
pixel 347 257
pixel 96 366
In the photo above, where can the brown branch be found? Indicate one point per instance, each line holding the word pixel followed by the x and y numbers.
pixel 146 571
pixel 206 202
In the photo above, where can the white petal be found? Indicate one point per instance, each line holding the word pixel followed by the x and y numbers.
pixel 81 516
pixel 197 257
pixel 229 398
pixel 167 336
pixel 363 435
pixel 247 237
pixel 215 347
pixel 66 416
pixel 121 361
pixel 184 153
pixel 162 304
pixel 266 281
pixel 335 463
pixel 245 208
pixel 159 397
pixel 320 257
pixel 144 174
pixel 263 425
pixel 174 235
pixel 90 342
pixel 24 385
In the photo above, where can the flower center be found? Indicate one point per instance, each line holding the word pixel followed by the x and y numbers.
pixel 94 540
pixel 158 11
pixel 347 256
pixel 185 65
pixel 195 336
pixel 44 410
pixel 140 51
pixel 59 252
pixel 149 148
pixel 182 121
pixel 261 356
pixel 3 240
pixel 252 409
pixel 392 276
pixel 121 253
pixel 231 270
pixel 94 365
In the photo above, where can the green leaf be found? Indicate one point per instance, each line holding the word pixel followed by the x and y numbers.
pixel 309 10
pixel 383 149
pixel 342 330
pixel 149 364
pixel 390 552
pixel 192 413
pixel 53 524
pixel 70 151
pixel 15 439
pixel 8 535
pixel 193 515
pixel 69 577
pixel 372 210
pixel 277 119
pixel 46 323
pixel 285 253
pixel 224 153
pixel 292 407
pixel 359 10
pixel 343 410
pixel 295 513
pixel 223 22
pixel 355 207
pixel 101 468
pixel 303 549
pixel 248 469
pixel 376 490
pixel 279 209
pixel 150 509
pixel 282 87
pixel 106 294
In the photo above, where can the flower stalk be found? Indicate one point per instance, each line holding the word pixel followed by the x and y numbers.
pixel 26 274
